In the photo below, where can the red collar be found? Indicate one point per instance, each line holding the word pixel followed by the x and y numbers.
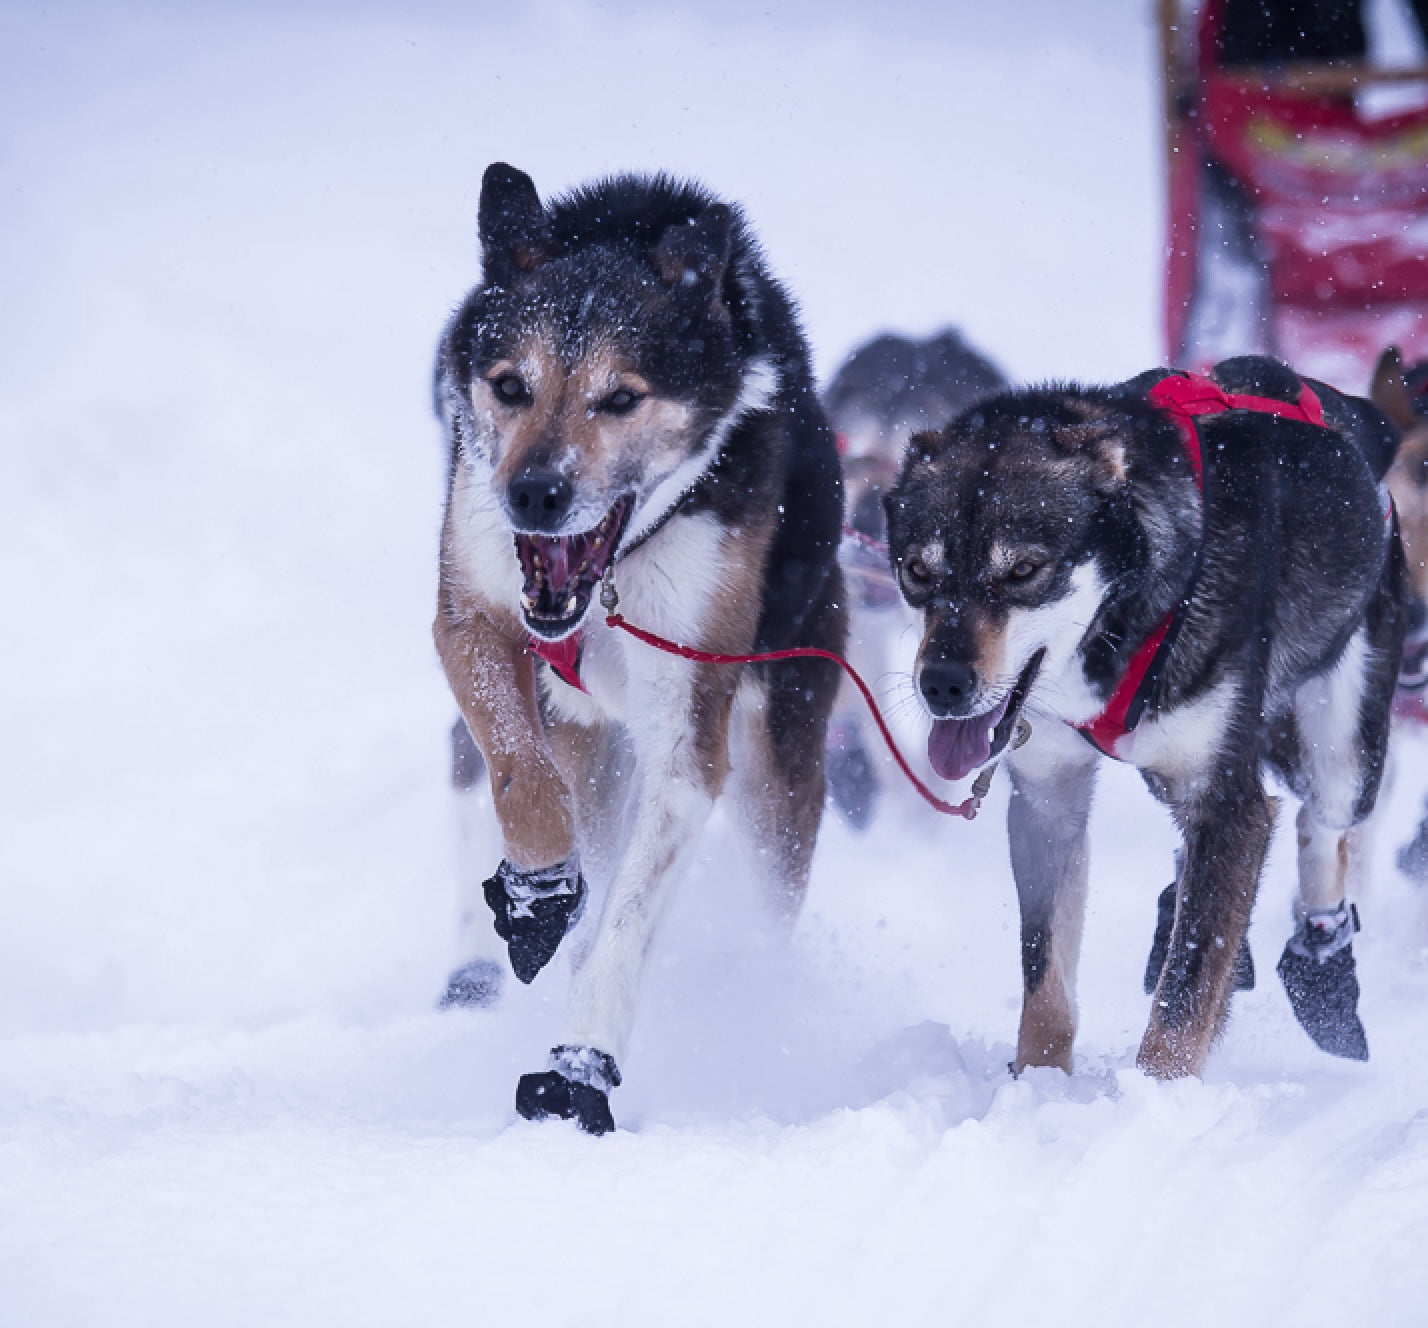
pixel 1184 397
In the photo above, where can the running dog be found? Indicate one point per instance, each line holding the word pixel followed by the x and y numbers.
pixel 1403 397
pixel 888 388
pixel 629 405
pixel 1195 575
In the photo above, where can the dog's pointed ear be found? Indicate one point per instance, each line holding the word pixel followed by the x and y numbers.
pixel 695 253
pixel 514 228
pixel 1100 441
pixel 925 445
pixel 1390 393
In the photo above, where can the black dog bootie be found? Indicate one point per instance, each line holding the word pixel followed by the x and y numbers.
pixel 1317 969
pixel 576 1087
pixel 1160 947
pixel 534 910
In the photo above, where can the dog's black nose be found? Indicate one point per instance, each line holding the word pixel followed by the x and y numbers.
pixel 947 685
pixel 540 499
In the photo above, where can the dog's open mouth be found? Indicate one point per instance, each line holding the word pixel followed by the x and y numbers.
pixel 562 571
pixel 956 747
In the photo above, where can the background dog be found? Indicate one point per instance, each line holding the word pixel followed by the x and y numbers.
pixel 888 389
pixel 1046 536
pixel 628 399
pixel 1403 397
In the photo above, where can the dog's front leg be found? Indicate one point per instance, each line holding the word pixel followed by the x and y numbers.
pixel 1227 825
pixel 681 748
pixel 537 891
pixel 1053 778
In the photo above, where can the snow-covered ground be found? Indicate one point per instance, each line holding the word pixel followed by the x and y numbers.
pixel 228 869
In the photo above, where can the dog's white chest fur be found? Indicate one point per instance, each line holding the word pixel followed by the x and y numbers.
pixel 1181 743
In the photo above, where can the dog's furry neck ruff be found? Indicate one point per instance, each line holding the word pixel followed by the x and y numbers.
pixel 758 388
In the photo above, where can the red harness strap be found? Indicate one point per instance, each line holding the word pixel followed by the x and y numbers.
pixel 1184 397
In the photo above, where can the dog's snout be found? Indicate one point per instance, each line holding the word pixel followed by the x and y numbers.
pixel 540 499
pixel 947 685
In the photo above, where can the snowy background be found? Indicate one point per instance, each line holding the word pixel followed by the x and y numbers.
pixel 228 856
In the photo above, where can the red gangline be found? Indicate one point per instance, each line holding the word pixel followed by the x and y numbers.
pixel 967 810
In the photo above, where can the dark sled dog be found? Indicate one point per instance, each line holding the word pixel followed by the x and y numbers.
pixel 1071 571
pixel 629 401
pixel 888 388
pixel 891 387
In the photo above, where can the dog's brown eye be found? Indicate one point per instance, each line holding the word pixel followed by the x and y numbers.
pixel 915 575
pixel 1023 570
pixel 621 401
pixel 510 390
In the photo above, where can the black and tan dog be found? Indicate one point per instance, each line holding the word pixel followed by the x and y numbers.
pixel 628 399
pixel 1402 394
pixel 1200 577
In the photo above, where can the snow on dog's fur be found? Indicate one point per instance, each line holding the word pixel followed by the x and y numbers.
pixel 627 394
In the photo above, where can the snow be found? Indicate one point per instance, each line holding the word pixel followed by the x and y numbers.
pixel 228 855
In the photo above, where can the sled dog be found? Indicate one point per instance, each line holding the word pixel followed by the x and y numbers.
pixel 1403 397
pixel 629 406
pixel 888 388
pixel 1199 576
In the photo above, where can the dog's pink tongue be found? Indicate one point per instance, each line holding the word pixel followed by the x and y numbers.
pixel 956 747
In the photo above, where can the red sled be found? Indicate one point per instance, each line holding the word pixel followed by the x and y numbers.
pixel 1298 221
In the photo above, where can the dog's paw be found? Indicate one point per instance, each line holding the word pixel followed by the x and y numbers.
pixel 534 910
pixel 1243 979
pixel 476 984
pixel 1319 974
pixel 1412 858
pixel 577 1088
pixel 852 777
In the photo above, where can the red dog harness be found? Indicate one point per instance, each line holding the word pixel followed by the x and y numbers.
pixel 1184 397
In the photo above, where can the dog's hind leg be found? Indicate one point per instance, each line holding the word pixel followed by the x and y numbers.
pixel 1053 777
pixel 598 767
pixel 779 784
pixel 1341 722
pixel 480 971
